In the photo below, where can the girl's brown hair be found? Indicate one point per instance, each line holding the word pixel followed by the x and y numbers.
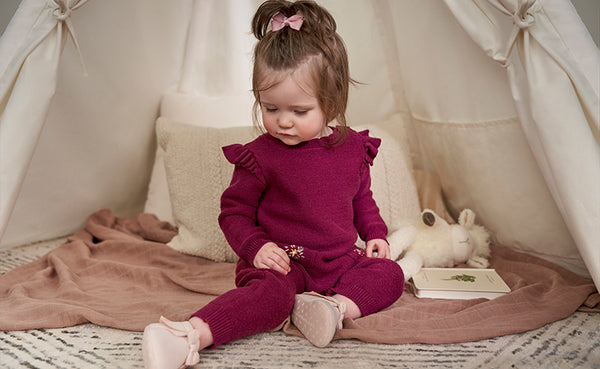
pixel 316 47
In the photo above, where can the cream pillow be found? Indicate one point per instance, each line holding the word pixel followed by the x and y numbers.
pixel 392 179
pixel 197 173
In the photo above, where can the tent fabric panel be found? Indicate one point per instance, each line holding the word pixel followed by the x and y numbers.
pixel 27 85
pixel 557 100
pixel 453 88
pixel 489 168
pixel 97 145
pixel 445 76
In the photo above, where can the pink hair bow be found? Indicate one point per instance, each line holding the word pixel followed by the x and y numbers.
pixel 294 22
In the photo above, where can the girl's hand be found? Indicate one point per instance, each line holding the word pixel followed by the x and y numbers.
pixel 271 256
pixel 379 245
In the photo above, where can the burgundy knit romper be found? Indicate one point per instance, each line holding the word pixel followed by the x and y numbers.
pixel 311 199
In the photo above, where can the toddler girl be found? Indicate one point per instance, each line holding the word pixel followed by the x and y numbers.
pixel 299 195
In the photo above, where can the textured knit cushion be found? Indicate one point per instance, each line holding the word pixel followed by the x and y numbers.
pixel 392 180
pixel 197 174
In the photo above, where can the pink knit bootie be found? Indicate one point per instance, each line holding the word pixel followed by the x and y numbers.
pixel 170 345
pixel 317 317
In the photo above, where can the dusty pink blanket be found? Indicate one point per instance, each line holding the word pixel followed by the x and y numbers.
pixel 118 272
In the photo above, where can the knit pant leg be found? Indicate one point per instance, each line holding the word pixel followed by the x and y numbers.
pixel 262 300
pixel 373 284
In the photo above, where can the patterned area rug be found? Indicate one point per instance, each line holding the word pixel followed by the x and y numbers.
pixel 573 342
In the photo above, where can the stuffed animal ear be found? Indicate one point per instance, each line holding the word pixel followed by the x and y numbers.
pixel 428 217
pixel 466 218
pixel 431 219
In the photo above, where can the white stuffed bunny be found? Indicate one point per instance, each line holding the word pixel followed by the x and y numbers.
pixel 432 242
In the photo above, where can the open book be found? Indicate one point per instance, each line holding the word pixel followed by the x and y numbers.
pixel 458 283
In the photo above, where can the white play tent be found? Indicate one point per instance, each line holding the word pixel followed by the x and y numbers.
pixel 500 97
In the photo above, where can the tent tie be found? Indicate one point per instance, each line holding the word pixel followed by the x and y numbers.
pixel 62 12
pixel 523 19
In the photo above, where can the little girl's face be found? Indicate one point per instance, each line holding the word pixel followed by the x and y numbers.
pixel 292 113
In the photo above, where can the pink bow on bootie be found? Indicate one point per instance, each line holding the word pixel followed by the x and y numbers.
pixel 294 22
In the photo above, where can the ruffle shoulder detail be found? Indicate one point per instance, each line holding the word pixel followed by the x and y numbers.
pixel 371 145
pixel 241 156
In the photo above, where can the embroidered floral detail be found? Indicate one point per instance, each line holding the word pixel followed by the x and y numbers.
pixel 294 252
pixel 360 251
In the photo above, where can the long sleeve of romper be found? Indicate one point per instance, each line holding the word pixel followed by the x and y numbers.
pixel 239 204
pixel 367 220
